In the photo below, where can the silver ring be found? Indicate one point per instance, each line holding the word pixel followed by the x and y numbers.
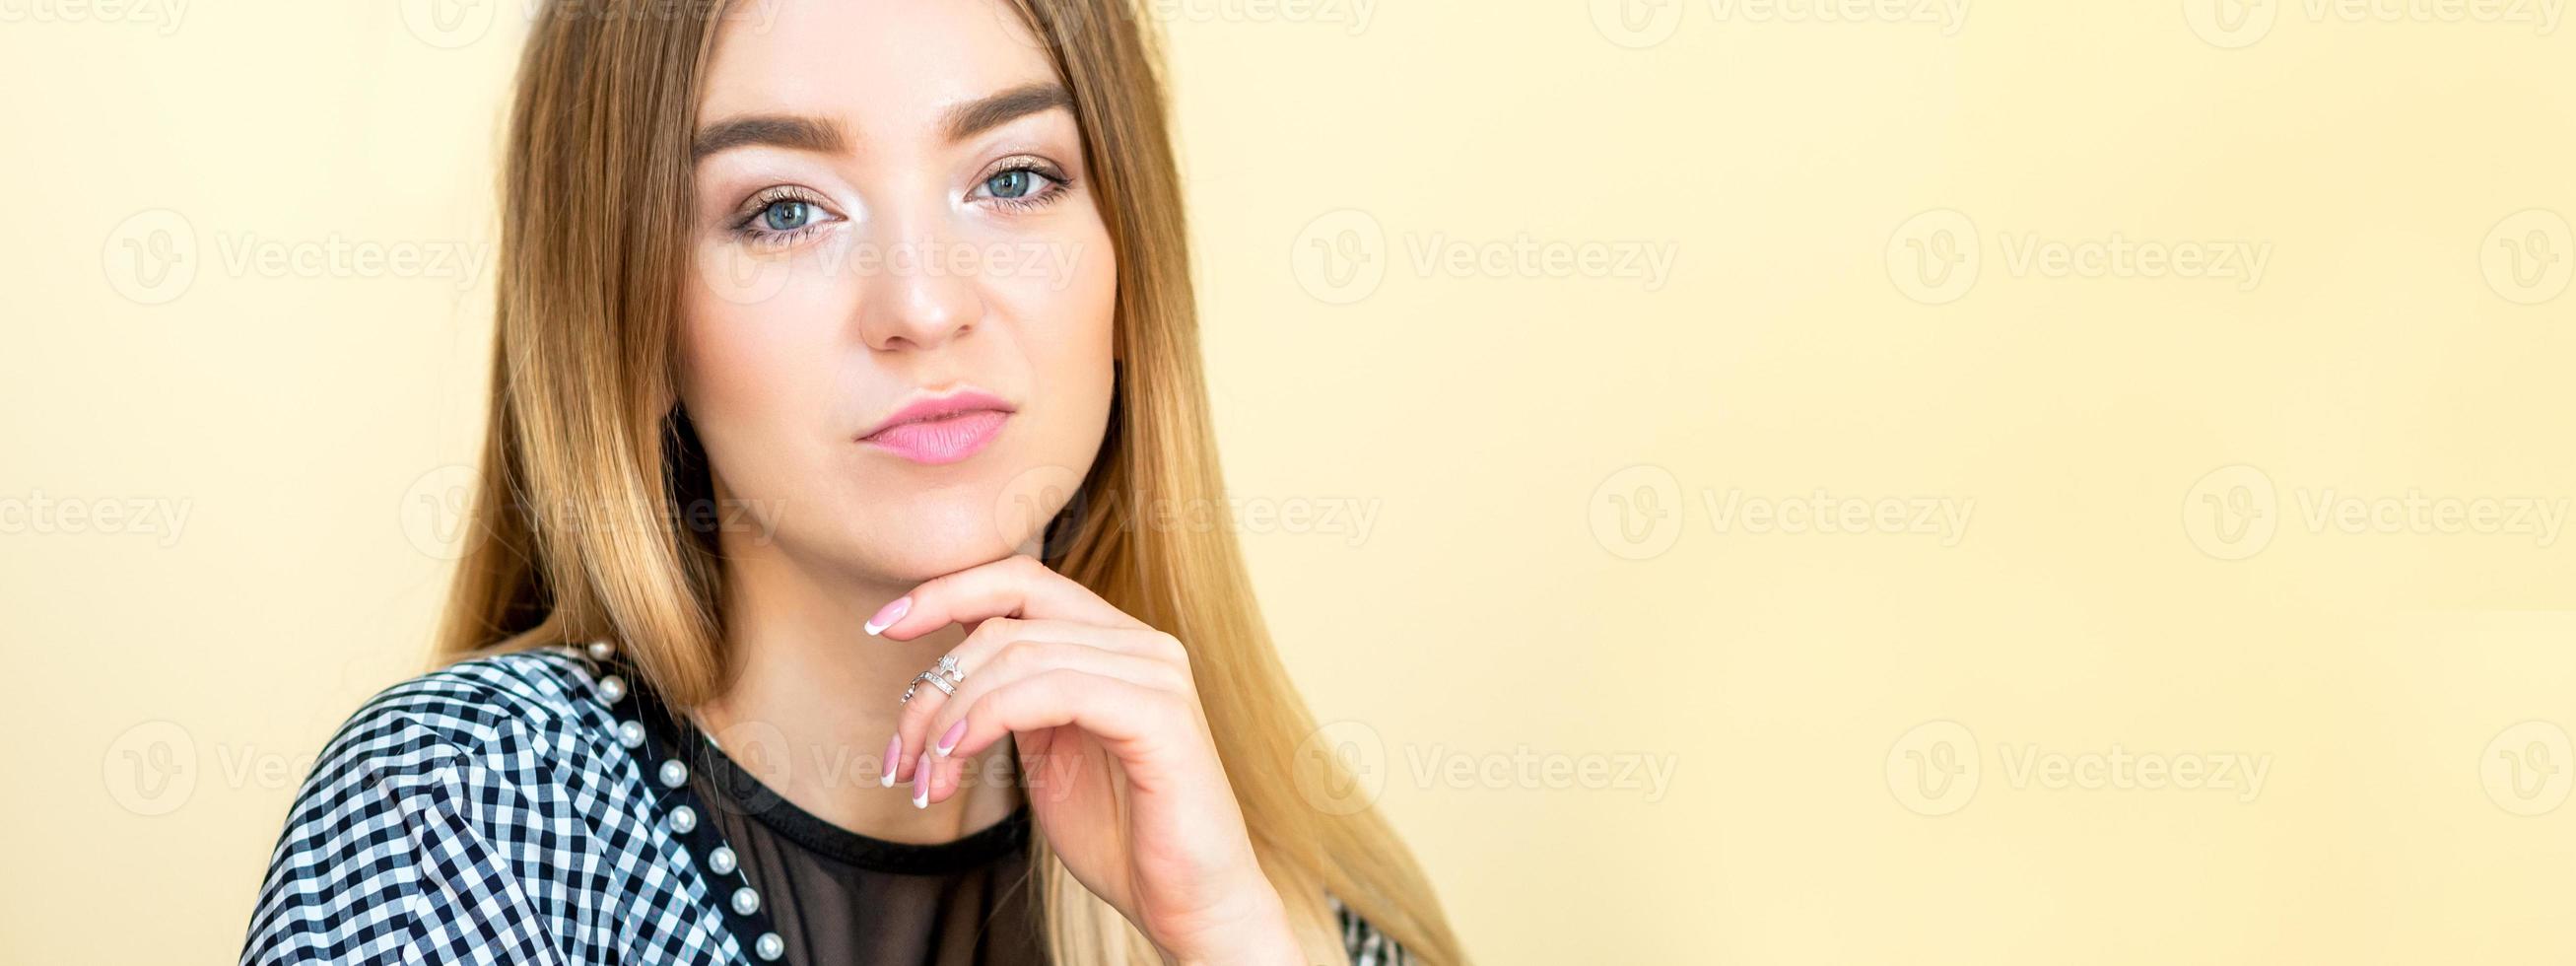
pixel 945 677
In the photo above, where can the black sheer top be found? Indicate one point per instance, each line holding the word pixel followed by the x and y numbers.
pixel 836 896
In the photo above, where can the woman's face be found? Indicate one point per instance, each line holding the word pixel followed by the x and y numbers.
pixel 891 208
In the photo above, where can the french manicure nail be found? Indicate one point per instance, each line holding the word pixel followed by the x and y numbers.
pixel 921 782
pixel 888 614
pixel 948 739
pixel 894 750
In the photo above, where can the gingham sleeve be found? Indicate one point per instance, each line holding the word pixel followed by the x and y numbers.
pixel 1367 946
pixel 400 846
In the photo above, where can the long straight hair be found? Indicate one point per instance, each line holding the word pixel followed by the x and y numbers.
pixel 589 468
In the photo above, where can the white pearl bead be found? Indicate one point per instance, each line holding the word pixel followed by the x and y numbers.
pixel 600 650
pixel 673 773
pixel 770 946
pixel 721 860
pixel 630 734
pixel 683 819
pixel 613 688
pixel 746 901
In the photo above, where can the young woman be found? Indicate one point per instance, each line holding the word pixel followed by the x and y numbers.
pixel 839 589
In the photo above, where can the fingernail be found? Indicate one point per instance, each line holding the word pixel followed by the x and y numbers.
pixel 888 614
pixel 921 782
pixel 948 740
pixel 894 749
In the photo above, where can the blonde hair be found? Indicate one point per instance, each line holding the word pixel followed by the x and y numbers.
pixel 589 469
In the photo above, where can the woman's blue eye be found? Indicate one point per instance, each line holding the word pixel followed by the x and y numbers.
pixel 1011 184
pixel 786 215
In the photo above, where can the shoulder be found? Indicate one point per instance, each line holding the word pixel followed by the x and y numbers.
pixel 482 734
pixel 519 719
pixel 479 703
pixel 438 811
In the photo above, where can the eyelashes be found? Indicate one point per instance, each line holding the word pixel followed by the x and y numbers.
pixel 1024 182
pixel 782 215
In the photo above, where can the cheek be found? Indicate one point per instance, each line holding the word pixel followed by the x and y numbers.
pixel 749 376
pixel 1067 318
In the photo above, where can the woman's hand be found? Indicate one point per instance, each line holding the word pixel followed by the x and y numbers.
pixel 1102 709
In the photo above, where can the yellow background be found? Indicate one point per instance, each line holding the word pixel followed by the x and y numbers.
pixel 166 690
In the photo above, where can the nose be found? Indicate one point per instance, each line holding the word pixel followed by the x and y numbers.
pixel 916 297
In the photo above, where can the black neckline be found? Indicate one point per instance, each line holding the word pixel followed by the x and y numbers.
pixel 737 791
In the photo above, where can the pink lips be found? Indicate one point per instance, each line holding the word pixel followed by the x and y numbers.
pixel 944 429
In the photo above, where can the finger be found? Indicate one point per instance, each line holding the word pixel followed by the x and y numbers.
pixel 1018 586
pixel 993 634
pixel 922 727
pixel 912 732
pixel 1139 725
pixel 1023 660
pixel 906 745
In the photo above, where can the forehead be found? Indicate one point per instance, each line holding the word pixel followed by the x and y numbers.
pixel 887 68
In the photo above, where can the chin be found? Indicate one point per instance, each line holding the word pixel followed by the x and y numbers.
pixel 938 533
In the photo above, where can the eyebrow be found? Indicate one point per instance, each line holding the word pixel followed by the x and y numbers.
pixel 779 130
pixel 978 116
pixel 820 135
